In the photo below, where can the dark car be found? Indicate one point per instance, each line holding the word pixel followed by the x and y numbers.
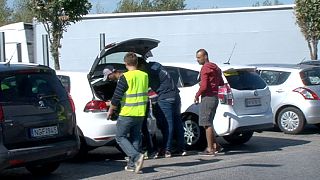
pixel 37 119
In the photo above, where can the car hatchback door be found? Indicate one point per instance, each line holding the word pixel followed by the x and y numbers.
pixel 36 109
pixel 250 93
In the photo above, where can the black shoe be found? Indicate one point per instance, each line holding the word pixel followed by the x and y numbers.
pixel 167 154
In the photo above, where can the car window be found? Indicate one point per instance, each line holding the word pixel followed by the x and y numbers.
pixel 174 73
pixel 65 81
pixel 244 80
pixel 274 77
pixel 189 77
pixel 311 76
pixel 28 87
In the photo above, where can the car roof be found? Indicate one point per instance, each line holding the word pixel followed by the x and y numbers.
pixel 283 67
pixel 5 66
pixel 197 67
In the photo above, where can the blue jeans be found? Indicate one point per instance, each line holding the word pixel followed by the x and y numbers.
pixel 130 145
pixel 171 123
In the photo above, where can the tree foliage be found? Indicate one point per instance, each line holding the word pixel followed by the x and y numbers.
pixel 267 3
pixel 5 13
pixel 21 12
pixel 308 18
pixel 149 5
pixel 56 15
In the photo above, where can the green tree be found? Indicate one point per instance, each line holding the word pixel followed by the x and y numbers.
pixel 56 15
pixel 267 3
pixel 5 13
pixel 21 12
pixel 308 18
pixel 149 5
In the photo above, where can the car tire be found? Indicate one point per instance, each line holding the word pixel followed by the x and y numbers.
pixel 291 120
pixel 238 138
pixel 43 169
pixel 194 135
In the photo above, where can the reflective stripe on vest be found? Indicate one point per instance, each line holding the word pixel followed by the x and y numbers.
pixel 135 100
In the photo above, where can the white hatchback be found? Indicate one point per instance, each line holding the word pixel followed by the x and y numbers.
pixel 244 103
pixel 295 94
pixel 94 129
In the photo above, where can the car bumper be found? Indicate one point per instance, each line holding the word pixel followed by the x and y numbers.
pixel 244 123
pixel 37 155
pixel 96 129
pixel 310 110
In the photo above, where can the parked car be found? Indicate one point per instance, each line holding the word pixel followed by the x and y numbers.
pixel 244 99
pixel 295 91
pixel 310 62
pixel 94 128
pixel 37 119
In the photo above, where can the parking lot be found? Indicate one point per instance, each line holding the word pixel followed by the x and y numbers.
pixel 268 155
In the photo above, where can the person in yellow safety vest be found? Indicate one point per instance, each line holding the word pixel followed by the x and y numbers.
pixel 131 94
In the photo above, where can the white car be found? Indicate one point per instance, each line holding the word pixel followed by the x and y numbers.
pixel 94 128
pixel 295 92
pixel 244 99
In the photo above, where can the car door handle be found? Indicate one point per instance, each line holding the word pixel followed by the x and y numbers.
pixel 279 91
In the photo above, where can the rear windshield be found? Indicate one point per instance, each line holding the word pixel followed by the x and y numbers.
pixel 244 80
pixel 28 87
pixel 311 77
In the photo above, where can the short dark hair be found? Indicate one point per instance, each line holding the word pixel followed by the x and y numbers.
pixel 131 59
pixel 203 51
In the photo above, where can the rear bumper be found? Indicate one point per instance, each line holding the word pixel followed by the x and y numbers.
pixel 310 110
pixel 38 155
pixel 250 122
pixel 96 129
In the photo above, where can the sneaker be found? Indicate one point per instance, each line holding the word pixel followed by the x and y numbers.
pixel 184 153
pixel 153 155
pixel 219 150
pixel 167 154
pixel 129 168
pixel 139 163
pixel 207 153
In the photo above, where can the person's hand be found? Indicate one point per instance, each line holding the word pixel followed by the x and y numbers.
pixel 110 113
pixel 196 100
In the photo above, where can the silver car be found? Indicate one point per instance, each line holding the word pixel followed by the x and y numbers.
pixel 295 91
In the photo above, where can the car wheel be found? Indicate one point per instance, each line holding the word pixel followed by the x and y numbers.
pixel 318 125
pixel 291 120
pixel 238 138
pixel 43 169
pixel 194 135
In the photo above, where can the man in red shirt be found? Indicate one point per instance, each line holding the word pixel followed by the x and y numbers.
pixel 210 80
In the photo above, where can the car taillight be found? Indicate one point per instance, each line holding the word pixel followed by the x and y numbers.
pixel 1 115
pixel 71 103
pixel 96 106
pixel 225 95
pixel 307 93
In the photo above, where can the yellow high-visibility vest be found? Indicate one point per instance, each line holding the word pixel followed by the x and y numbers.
pixel 134 102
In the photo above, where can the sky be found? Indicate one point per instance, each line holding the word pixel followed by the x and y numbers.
pixel 111 5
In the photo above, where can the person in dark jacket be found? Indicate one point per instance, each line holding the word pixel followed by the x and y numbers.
pixel 167 108
pixel 210 80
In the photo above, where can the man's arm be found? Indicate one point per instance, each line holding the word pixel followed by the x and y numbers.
pixel 122 87
pixel 203 84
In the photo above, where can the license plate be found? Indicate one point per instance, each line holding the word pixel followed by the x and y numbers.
pixel 253 102
pixel 44 131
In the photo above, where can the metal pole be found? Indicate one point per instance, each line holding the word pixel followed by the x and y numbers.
pixel 19 52
pixel 2 47
pixel 45 49
pixel 102 45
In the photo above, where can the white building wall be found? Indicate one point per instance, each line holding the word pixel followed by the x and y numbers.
pixel 261 35
pixel 18 33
